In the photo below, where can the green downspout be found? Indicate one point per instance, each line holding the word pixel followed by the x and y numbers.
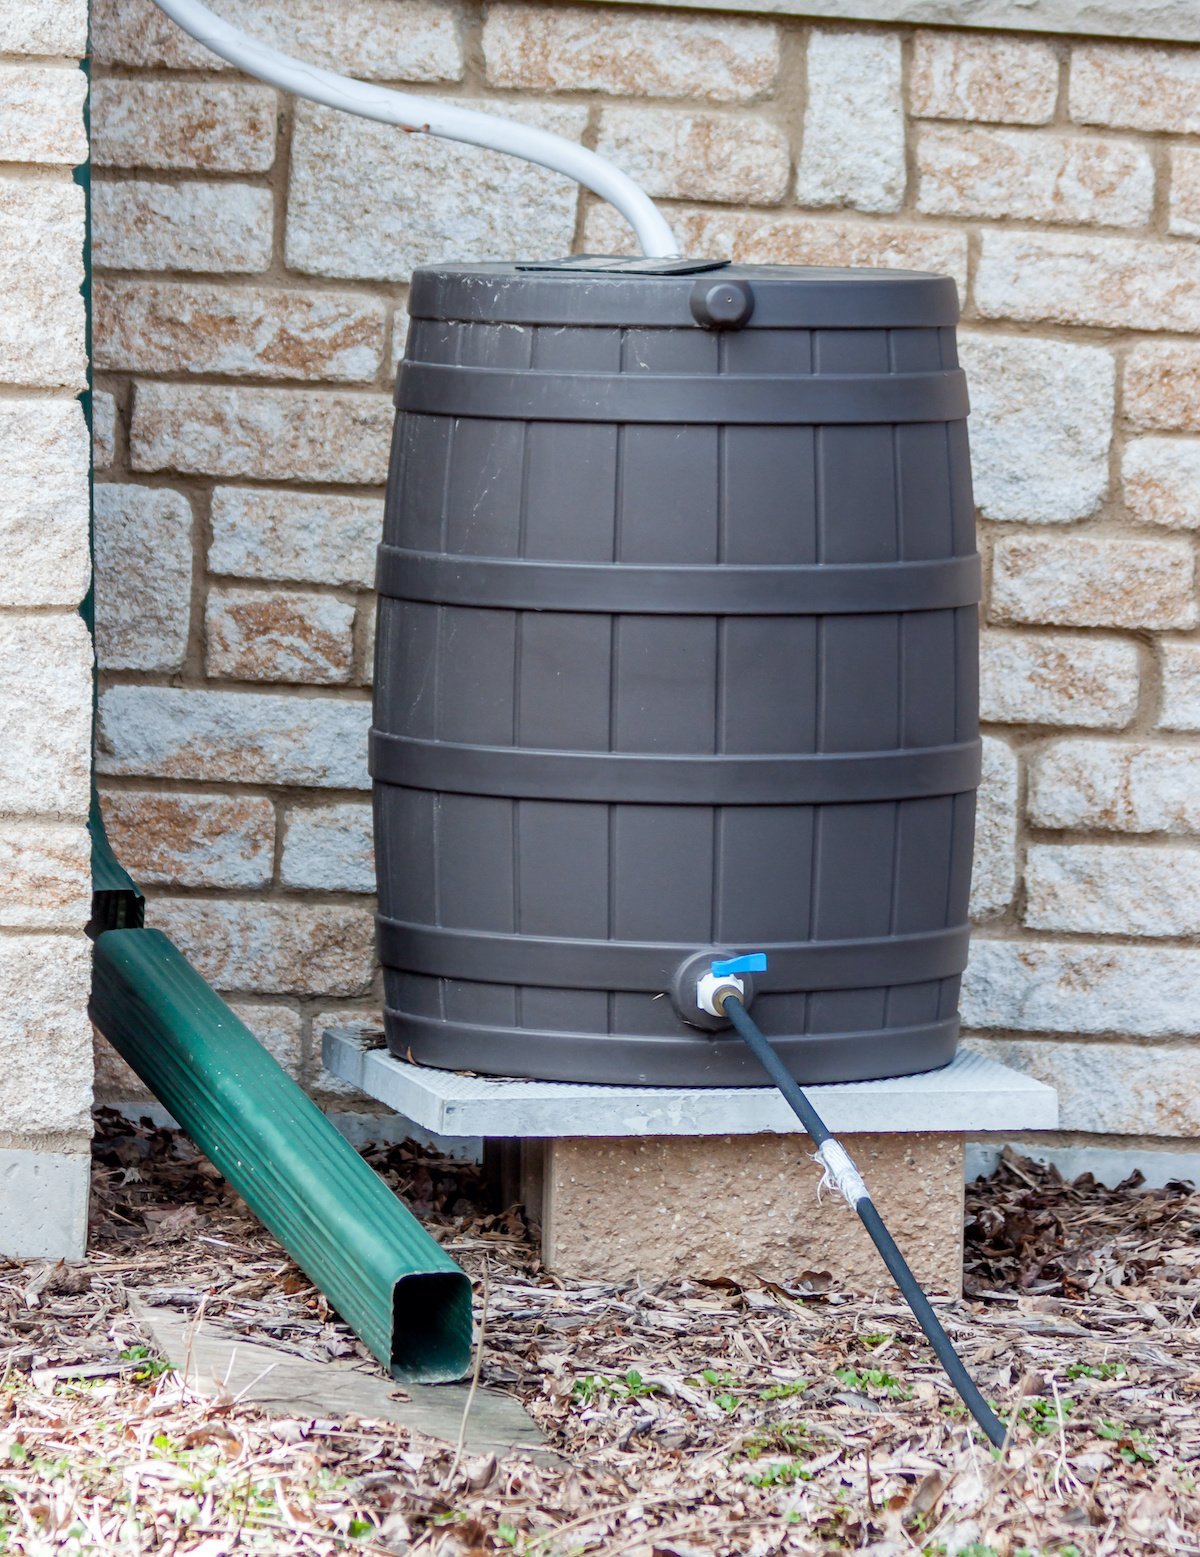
pixel 391 1282
pixel 377 1265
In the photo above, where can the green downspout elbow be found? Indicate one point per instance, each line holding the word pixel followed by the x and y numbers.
pixel 385 1275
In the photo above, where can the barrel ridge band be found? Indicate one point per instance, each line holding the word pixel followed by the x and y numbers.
pixel 524 773
pixel 665 1059
pixel 824 589
pixel 553 962
pixel 683 399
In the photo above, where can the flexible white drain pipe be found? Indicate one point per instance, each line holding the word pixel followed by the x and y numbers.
pixel 430 116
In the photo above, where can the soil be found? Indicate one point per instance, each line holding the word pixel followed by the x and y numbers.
pixel 688 1418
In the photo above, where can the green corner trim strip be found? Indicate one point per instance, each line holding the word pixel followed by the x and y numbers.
pixel 385 1275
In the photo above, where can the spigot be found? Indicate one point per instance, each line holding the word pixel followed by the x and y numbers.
pixel 706 980
pixel 723 979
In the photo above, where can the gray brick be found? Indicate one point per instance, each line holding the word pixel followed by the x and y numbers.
pixel 271 434
pixel 138 225
pixel 236 737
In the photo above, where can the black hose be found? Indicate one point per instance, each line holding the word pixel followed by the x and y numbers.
pixel 897 1265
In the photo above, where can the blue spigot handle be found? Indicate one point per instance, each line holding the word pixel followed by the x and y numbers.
pixel 753 962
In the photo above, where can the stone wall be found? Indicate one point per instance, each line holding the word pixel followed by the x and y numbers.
pixel 253 257
pixel 45 652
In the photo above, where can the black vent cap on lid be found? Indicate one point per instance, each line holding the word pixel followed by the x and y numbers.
pixel 784 296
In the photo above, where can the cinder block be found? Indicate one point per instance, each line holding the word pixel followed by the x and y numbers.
pixel 664 1207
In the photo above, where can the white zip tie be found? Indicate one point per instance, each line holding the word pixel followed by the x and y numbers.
pixel 840 1173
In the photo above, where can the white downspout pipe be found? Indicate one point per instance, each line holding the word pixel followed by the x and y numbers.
pixel 430 116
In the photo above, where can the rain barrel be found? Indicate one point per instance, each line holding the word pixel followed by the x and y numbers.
pixel 676 653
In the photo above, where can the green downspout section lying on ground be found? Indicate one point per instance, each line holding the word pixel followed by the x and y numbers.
pixel 387 1278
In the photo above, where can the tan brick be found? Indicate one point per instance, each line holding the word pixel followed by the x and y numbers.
pixel 114 1081
pixel 994 876
pixel 329 848
pixel 1033 176
pixel 1161 480
pixel 166 840
pixel 195 226
pixel 629 53
pixel 776 239
pixel 45 875
pixel 367 624
pixel 1184 213
pixel 270 635
pixel 234 737
pixel 1041 425
pixel 1111 1088
pixel 43 502
pixel 143 544
pixel 999 79
pixel 1180 686
pixel 41 114
pixel 1116 786
pixel 44 27
pixel 215 127
pixel 330 1090
pixel 165 327
pixel 1093 581
pixel 270 434
pixel 1057 679
pixel 1119 283
pixel 736 158
pixel 1055 987
pixel 1136 88
pixel 852 150
pixel 45 715
pixel 45 1036
pixel 41 271
pixel 1112 889
pixel 375 40
pixel 1162 385
pixel 271 947
pixel 295 536
pixel 370 200
pixel 104 429
pixel 279 1029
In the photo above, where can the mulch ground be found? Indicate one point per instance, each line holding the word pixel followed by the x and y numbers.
pixel 689 1419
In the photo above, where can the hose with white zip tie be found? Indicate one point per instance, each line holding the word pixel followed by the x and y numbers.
pixel 430 116
pixel 845 1178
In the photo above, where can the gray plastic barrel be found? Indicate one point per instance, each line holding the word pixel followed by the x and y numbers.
pixel 677 652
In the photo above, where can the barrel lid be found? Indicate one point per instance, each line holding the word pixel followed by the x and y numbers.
pixel 779 296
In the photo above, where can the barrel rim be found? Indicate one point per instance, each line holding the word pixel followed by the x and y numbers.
pixel 785 296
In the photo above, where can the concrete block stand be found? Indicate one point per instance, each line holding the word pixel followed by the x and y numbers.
pixel 660 1182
